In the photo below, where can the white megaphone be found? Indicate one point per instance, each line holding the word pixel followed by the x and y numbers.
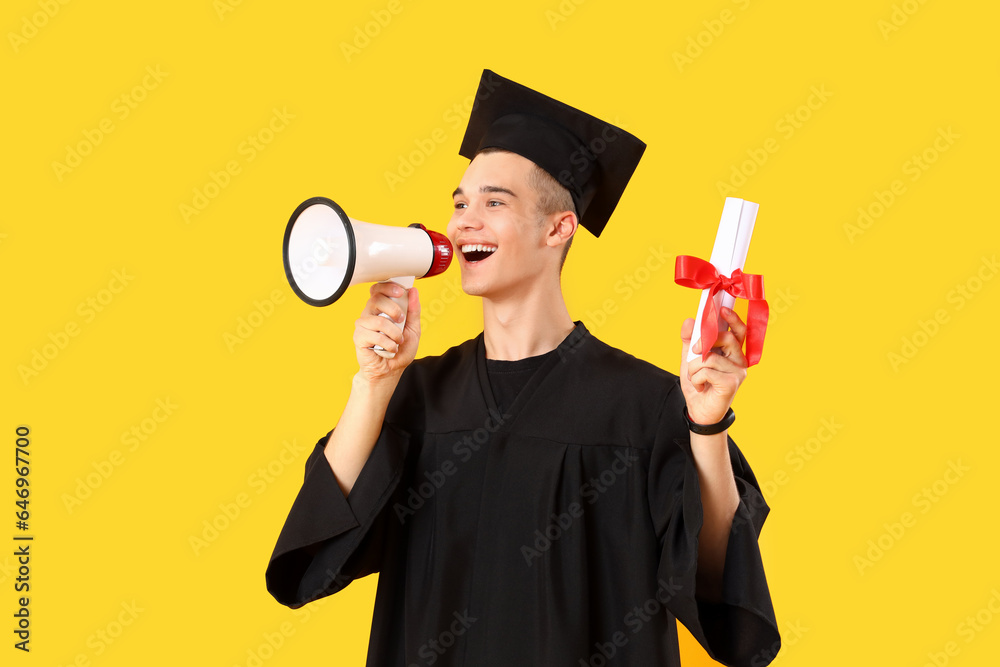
pixel 325 252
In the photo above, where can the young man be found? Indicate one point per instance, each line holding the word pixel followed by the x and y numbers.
pixel 534 496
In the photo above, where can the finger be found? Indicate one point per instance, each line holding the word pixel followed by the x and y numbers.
pixel 719 381
pixel 727 346
pixel 365 339
pixel 387 288
pixel 727 358
pixel 373 332
pixel 736 325
pixel 380 324
pixel 380 303
pixel 726 376
pixel 734 375
pixel 375 329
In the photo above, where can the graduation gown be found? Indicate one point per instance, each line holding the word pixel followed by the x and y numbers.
pixel 563 532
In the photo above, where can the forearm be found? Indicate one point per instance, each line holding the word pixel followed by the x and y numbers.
pixel 719 500
pixel 352 441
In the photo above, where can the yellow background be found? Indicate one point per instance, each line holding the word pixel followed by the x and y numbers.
pixel 894 78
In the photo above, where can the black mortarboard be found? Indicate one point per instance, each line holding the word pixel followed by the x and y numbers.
pixel 592 159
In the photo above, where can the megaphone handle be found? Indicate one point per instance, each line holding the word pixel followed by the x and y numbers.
pixel 401 301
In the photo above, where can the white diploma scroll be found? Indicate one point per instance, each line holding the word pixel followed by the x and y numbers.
pixel 729 253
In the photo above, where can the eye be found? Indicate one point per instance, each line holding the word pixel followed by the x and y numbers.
pixel 494 201
pixel 461 204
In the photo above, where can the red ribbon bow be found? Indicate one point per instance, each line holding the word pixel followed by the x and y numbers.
pixel 695 272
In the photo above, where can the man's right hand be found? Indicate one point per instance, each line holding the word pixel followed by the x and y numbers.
pixel 372 329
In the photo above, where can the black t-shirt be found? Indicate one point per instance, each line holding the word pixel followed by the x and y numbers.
pixel 508 378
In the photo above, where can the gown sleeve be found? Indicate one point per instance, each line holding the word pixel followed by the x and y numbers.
pixel 328 540
pixel 740 629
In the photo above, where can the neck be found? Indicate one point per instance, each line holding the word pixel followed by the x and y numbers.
pixel 525 326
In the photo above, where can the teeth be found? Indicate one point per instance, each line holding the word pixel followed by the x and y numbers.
pixel 478 247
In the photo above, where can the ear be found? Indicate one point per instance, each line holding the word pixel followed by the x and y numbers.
pixel 562 227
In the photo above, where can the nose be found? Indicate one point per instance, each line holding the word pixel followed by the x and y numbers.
pixel 470 219
pixel 467 220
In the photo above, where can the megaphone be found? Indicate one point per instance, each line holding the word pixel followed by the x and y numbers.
pixel 325 252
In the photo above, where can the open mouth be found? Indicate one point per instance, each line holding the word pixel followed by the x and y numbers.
pixel 477 252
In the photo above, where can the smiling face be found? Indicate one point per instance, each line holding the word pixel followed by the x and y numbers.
pixel 505 247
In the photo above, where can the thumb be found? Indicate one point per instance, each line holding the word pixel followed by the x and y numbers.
pixel 413 311
pixel 687 329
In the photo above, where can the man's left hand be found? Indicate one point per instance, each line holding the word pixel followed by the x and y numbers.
pixel 709 386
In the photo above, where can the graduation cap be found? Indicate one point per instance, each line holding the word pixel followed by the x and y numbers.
pixel 592 159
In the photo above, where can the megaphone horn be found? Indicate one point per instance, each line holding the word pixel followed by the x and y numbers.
pixel 325 252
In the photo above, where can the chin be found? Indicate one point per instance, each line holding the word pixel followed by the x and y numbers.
pixel 473 288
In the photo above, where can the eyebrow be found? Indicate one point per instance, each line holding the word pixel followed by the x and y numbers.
pixel 485 189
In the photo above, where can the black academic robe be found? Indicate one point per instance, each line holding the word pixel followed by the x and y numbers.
pixel 562 533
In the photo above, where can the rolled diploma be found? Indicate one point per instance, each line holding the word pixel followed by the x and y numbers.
pixel 732 242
